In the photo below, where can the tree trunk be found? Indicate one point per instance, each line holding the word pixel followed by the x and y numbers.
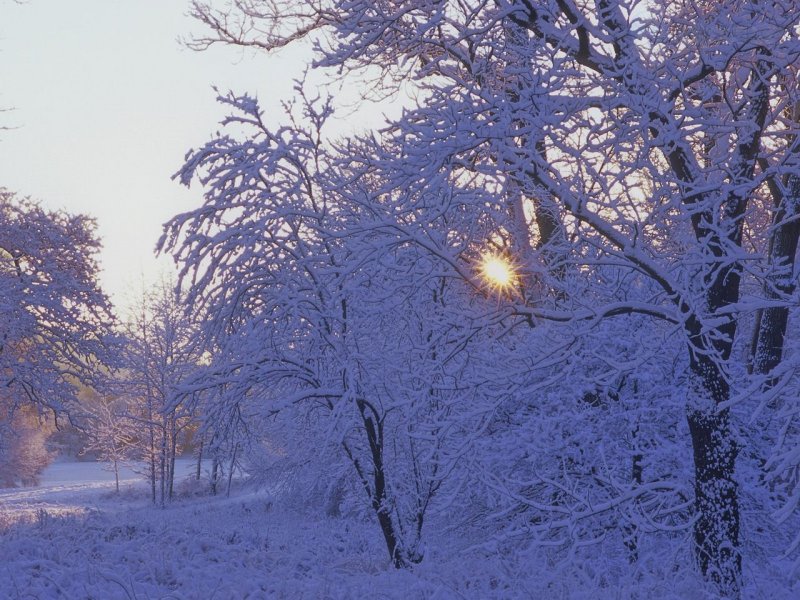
pixel 153 478
pixel 199 460
pixel 214 474
pixel 163 461
pixel 173 448
pixel 716 531
pixel 230 471
pixel 378 493
pixel 631 530
pixel 772 322
pixel 152 459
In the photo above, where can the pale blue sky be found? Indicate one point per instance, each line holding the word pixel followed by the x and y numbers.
pixel 106 103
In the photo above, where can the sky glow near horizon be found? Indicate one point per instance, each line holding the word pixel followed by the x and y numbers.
pixel 106 102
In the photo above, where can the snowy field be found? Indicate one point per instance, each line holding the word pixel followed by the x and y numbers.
pixel 72 537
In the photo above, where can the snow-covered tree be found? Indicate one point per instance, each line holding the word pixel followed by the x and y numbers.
pixel 55 322
pixel 162 351
pixel 108 430
pixel 659 140
pixel 310 331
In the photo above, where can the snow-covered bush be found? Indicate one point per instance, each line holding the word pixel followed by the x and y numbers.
pixel 23 445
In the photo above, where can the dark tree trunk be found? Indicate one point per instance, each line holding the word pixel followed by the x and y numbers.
pixel 379 500
pixel 173 449
pixel 214 474
pixel 374 482
pixel 716 531
pixel 152 463
pixel 772 322
pixel 199 460
pixel 230 470
pixel 162 463
pixel 631 530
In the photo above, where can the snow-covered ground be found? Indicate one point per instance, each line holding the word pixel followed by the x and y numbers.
pixel 75 488
pixel 72 537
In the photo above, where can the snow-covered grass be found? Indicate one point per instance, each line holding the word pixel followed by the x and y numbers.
pixel 78 539
pixel 74 538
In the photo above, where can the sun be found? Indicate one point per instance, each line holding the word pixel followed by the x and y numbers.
pixel 497 271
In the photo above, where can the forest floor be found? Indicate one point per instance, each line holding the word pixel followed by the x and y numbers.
pixel 72 537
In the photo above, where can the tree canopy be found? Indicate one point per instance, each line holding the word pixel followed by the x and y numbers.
pixel 56 322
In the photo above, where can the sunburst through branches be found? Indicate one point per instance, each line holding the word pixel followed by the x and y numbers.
pixel 497 271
